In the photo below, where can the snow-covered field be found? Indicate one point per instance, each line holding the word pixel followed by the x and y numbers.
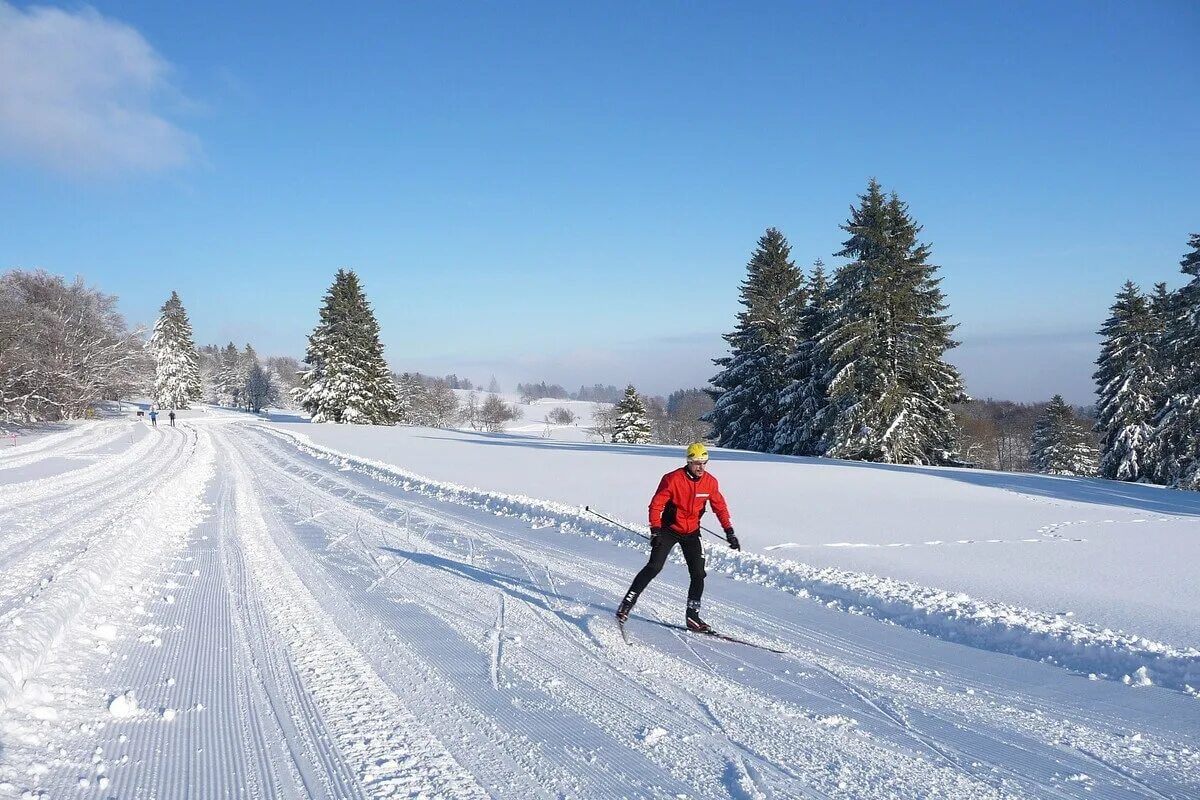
pixel 235 608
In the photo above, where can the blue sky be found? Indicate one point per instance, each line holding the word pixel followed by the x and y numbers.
pixel 570 192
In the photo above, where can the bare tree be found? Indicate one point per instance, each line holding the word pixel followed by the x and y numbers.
pixel 604 420
pixel 495 412
pixel 470 414
pixel 442 404
pixel 561 416
pixel 260 391
pixel 63 348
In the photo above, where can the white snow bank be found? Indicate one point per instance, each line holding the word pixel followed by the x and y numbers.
pixel 952 616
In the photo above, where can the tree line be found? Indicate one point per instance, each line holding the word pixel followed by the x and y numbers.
pixel 849 366
pixel 1148 382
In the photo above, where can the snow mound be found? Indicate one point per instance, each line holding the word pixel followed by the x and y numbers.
pixel 123 705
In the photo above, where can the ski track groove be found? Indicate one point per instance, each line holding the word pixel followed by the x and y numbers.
pixel 369 731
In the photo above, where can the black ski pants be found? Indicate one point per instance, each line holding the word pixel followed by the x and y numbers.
pixel 660 548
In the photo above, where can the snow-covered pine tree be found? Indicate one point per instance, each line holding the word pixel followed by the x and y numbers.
pixel 229 376
pixel 631 425
pixel 347 380
pixel 802 430
pixel 1060 443
pixel 209 364
pixel 176 364
pixel 1127 385
pixel 1162 308
pixel 747 389
pixel 1177 428
pixel 412 400
pixel 890 391
pixel 247 361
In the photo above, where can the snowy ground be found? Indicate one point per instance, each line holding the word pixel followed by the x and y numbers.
pixel 1116 555
pixel 224 610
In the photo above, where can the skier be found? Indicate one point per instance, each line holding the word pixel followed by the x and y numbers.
pixel 154 418
pixel 675 512
pixel 172 416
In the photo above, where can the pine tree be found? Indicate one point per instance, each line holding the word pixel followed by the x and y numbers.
pixel 412 400
pixel 229 376
pixel 802 430
pixel 247 361
pixel 890 391
pixel 631 425
pixel 347 380
pixel 747 390
pixel 1177 428
pixel 1060 443
pixel 176 363
pixel 1128 385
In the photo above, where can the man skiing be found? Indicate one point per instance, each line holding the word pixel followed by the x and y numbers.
pixel 675 512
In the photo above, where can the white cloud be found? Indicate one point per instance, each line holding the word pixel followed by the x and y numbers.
pixel 81 93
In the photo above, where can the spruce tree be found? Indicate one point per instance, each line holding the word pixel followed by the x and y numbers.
pixel 412 400
pixel 247 361
pixel 347 380
pixel 1060 444
pixel 631 425
pixel 747 390
pixel 890 391
pixel 1177 428
pixel 1128 385
pixel 802 430
pixel 176 363
pixel 229 376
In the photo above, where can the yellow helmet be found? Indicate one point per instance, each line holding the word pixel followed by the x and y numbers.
pixel 697 452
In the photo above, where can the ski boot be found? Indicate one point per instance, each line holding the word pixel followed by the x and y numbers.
pixel 694 623
pixel 625 607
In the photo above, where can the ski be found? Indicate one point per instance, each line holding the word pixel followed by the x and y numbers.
pixel 717 635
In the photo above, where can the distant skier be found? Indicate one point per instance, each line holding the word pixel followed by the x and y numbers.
pixel 172 417
pixel 154 418
pixel 675 512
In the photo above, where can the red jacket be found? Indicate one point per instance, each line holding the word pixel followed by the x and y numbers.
pixel 679 502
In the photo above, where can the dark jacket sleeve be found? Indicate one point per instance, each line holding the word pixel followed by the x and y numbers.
pixel 717 501
pixel 659 501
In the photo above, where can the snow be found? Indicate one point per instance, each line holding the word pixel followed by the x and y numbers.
pixel 124 705
pixel 1120 556
pixel 287 610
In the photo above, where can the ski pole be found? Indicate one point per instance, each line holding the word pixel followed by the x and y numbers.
pixel 717 535
pixel 639 533
pixel 614 522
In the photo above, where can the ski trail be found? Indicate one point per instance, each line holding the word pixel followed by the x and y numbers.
pixel 1005 725
pixel 390 748
pixel 531 663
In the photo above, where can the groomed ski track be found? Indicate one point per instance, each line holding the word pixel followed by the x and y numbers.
pixel 211 611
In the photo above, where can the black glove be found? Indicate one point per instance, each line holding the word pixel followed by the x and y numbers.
pixel 655 532
pixel 733 540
